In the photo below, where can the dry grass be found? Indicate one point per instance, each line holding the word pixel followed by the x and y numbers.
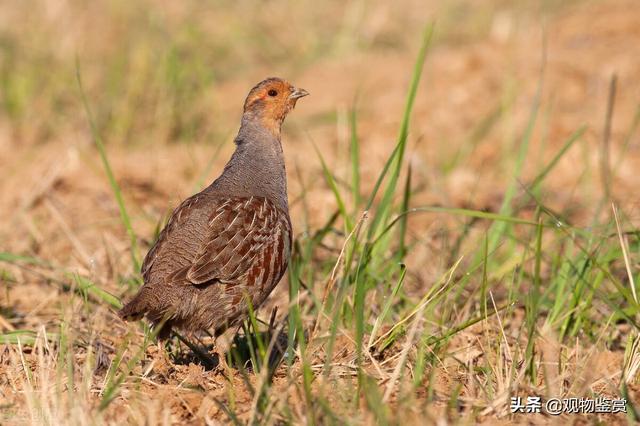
pixel 495 301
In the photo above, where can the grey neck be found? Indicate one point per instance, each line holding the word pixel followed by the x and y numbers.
pixel 256 167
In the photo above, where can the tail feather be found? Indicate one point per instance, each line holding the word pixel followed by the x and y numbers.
pixel 137 308
pixel 134 310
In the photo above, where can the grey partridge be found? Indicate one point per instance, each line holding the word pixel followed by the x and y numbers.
pixel 229 244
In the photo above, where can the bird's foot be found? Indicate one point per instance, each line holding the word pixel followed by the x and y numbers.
pixel 159 359
pixel 222 346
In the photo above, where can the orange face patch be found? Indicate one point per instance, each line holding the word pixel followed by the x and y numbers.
pixel 270 101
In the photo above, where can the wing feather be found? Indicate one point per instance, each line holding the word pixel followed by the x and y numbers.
pixel 221 240
pixel 235 240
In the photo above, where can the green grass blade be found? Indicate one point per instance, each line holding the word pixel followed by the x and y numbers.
pixel 402 231
pixel 398 155
pixel 498 229
pixel 358 307
pixel 568 144
pixel 336 192
pixel 456 211
pixel 354 151
pixel 533 306
pixel 24 337
pixel 11 258
pixel 85 286
pixel 387 306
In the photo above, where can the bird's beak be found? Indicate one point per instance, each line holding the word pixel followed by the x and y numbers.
pixel 298 93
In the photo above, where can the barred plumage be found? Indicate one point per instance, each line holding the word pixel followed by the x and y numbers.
pixel 199 275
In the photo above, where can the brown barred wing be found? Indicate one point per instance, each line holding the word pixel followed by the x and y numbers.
pixel 180 238
pixel 248 243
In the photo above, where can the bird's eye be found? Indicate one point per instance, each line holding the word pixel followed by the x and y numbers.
pixel 273 92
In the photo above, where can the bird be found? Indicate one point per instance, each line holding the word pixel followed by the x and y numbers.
pixel 224 249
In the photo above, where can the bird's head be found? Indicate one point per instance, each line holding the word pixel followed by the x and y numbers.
pixel 270 101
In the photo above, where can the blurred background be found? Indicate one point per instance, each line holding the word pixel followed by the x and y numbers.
pixel 165 82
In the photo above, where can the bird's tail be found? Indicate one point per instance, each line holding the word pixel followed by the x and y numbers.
pixel 138 308
pixel 135 309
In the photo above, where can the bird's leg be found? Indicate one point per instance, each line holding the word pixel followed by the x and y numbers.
pixel 163 352
pixel 163 336
pixel 222 345
pixel 159 357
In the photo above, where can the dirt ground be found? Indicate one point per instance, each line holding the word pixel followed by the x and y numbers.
pixel 57 204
